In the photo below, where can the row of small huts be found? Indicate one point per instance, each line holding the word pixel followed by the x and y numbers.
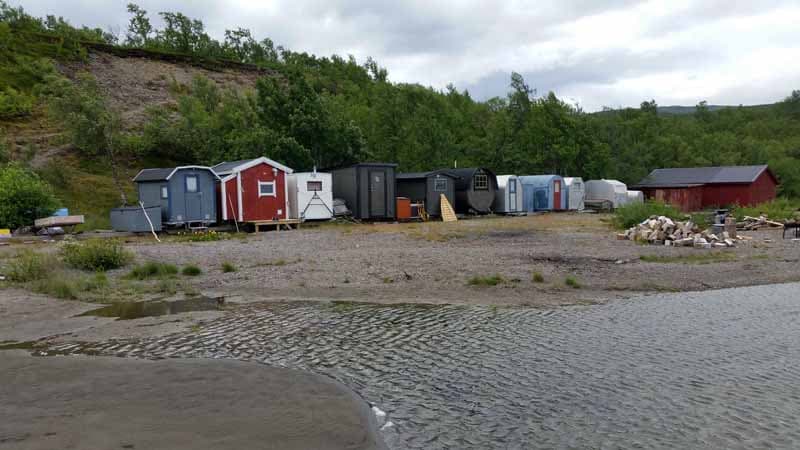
pixel 261 190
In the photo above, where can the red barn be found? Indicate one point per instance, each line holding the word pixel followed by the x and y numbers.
pixel 697 188
pixel 253 190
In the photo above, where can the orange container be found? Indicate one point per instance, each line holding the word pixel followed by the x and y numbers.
pixel 403 208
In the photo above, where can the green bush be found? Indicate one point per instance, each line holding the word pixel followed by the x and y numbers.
pixel 28 266
pixel 779 209
pixel 96 255
pixel 538 277
pixel 152 269
pixel 14 104
pixel 572 282
pixel 191 270
pixel 58 287
pixel 633 214
pixel 228 267
pixel 24 197
pixel 492 280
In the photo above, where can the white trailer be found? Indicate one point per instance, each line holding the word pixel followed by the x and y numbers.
pixel 635 197
pixel 576 193
pixel 310 195
pixel 611 192
pixel 508 196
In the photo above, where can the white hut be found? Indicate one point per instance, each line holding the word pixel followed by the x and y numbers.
pixel 310 196
pixel 576 192
pixel 508 196
pixel 612 191
pixel 635 197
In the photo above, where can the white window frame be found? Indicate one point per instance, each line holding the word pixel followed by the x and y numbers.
pixel 308 185
pixel 164 192
pixel 266 183
pixel 436 182
pixel 483 185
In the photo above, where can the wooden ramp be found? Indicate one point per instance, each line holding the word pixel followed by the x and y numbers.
pixel 448 215
pixel 278 224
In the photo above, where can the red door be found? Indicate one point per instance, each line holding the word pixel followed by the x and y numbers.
pixel 557 194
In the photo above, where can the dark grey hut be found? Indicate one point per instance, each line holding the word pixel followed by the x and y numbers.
pixel 187 194
pixel 475 190
pixel 368 189
pixel 427 187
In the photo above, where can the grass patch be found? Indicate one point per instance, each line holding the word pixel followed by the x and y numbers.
pixel 152 269
pixel 28 266
pixel 201 236
pixel 228 267
pixel 699 258
pixel 492 280
pixel 572 282
pixel 191 270
pixel 537 277
pixel 277 262
pixel 96 255
pixel 633 214
pixel 778 210
pixel 70 287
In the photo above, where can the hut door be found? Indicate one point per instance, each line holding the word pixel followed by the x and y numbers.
pixel 512 194
pixel 556 194
pixel 377 193
pixel 194 198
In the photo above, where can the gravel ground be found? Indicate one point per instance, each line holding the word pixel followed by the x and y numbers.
pixel 433 263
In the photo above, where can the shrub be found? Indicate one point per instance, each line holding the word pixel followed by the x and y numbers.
pixel 778 209
pixel 228 267
pixel 633 214
pixel 23 197
pixel 492 280
pixel 29 266
pixel 58 287
pixel 538 277
pixel 191 270
pixel 572 282
pixel 152 269
pixel 96 255
pixel 14 104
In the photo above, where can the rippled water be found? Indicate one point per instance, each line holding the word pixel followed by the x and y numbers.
pixel 707 370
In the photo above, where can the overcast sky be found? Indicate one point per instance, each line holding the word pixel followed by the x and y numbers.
pixel 592 52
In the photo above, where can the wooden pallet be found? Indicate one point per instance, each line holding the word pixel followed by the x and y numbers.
pixel 286 223
pixel 448 214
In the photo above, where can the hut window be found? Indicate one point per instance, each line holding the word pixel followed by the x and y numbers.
pixel 440 185
pixel 191 183
pixel 266 189
pixel 481 182
pixel 314 186
pixel 512 186
pixel 164 192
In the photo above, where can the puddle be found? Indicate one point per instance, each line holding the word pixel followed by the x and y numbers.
pixel 137 310
pixel 15 345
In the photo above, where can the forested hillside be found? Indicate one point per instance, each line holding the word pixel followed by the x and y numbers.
pixel 254 98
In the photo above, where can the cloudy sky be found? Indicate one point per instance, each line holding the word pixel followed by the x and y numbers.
pixel 592 52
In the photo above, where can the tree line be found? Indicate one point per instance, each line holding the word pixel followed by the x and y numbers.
pixel 328 111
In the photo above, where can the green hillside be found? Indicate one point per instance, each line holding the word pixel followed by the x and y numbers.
pixel 310 111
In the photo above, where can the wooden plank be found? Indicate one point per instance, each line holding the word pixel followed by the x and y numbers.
pixel 58 221
pixel 448 214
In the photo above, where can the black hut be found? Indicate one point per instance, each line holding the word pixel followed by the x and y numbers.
pixel 475 190
pixel 368 189
pixel 427 187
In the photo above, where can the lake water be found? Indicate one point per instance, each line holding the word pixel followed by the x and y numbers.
pixel 701 370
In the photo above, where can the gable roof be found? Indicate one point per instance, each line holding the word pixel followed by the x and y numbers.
pixel 697 176
pixel 229 167
pixel 422 175
pixel 164 174
pixel 464 176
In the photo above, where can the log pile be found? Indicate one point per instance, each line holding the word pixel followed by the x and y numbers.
pixel 661 230
pixel 755 223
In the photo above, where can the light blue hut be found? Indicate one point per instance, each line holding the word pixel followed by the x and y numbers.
pixel 543 193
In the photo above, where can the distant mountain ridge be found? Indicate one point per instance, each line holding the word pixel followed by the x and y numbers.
pixel 678 110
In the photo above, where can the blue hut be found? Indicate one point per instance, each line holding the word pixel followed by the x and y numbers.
pixel 187 195
pixel 543 193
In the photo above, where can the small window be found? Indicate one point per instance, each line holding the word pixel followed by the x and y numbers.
pixel 191 183
pixel 266 189
pixel 557 187
pixel 481 182
pixel 314 186
pixel 164 192
pixel 512 186
pixel 440 184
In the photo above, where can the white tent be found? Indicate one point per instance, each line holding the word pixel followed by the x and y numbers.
pixel 576 192
pixel 635 197
pixel 508 197
pixel 310 196
pixel 612 191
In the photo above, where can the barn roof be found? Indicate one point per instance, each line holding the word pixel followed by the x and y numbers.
pixel 163 174
pixel 229 167
pixel 697 176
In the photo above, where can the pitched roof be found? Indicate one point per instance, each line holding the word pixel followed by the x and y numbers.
pixel 163 174
pixel 420 175
pixel 229 167
pixel 464 176
pixel 696 176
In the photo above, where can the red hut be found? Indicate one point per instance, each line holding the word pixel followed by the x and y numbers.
pixel 698 188
pixel 253 190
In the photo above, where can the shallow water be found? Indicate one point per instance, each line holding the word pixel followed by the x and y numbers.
pixel 137 310
pixel 704 370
